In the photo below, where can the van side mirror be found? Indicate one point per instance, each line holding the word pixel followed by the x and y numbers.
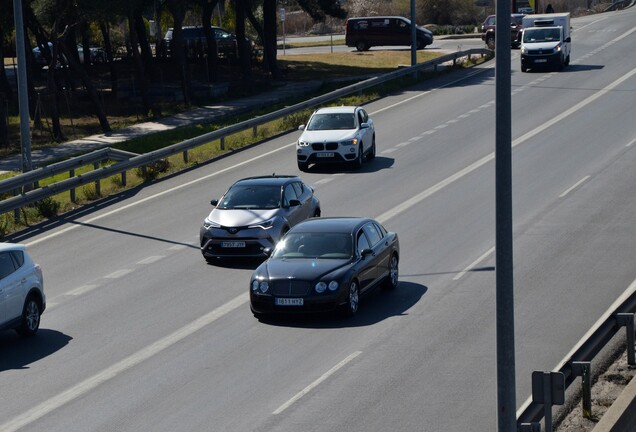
pixel 364 125
pixel 294 203
pixel 568 39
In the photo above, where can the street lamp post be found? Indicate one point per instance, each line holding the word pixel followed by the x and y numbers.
pixel 23 95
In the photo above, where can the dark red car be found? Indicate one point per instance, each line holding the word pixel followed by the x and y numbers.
pixel 488 30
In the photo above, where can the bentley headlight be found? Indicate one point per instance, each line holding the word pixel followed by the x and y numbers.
pixel 321 287
pixel 255 284
pixel 333 285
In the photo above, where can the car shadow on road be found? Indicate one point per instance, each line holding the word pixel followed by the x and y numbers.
pixel 19 353
pixel 237 263
pixel 378 163
pixel 374 308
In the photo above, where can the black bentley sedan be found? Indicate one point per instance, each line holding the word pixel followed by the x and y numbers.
pixel 325 264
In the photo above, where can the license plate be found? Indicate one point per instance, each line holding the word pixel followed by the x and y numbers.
pixel 232 244
pixel 289 301
pixel 325 155
pixel 541 61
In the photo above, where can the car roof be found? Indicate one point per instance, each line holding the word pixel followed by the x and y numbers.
pixel 338 109
pixel 331 224
pixel 272 180
pixel 10 246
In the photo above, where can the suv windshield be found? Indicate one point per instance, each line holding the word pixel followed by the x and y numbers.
pixel 251 197
pixel 332 121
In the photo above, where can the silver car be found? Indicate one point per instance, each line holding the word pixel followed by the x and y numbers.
pixel 254 214
pixel 344 134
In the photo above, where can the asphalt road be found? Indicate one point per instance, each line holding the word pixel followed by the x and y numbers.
pixel 142 335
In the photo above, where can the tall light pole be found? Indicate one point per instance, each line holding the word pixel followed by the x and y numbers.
pixel 506 397
pixel 413 35
pixel 23 94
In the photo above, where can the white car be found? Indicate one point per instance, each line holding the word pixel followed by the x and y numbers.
pixel 344 134
pixel 22 298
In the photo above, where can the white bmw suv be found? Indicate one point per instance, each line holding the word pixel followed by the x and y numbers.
pixel 22 298
pixel 344 134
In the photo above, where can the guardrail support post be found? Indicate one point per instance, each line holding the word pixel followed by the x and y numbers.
pixel 583 369
pixel 71 173
pixel 254 132
pixel 16 212
pixel 627 320
pixel 98 186
pixel 529 427
pixel 185 156
pixel 222 143
pixel 123 178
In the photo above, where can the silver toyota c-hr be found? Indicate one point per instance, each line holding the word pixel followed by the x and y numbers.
pixel 254 214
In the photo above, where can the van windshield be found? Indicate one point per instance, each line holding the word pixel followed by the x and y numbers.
pixel 532 35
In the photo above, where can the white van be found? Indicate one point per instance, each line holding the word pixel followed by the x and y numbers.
pixel 545 41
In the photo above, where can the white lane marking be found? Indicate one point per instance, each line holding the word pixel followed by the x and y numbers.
pixel 111 372
pixel 413 139
pixel 428 132
pixel 315 384
pixel 178 246
pixel 475 165
pixel 442 126
pixel 151 259
pixel 81 290
pixel 629 144
pixel 470 75
pixel 387 151
pixel 324 180
pixel 404 144
pixel 118 273
pixel 474 263
pixel 577 184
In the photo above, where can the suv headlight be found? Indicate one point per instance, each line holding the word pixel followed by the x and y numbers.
pixel 353 141
pixel 207 224
pixel 264 225
pixel 302 143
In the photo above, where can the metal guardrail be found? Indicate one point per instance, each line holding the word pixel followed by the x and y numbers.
pixel 131 161
pixel 598 337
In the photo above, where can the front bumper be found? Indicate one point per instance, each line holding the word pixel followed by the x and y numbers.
pixel 332 153
pixel 219 243
pixel 541 60
pixel 264 304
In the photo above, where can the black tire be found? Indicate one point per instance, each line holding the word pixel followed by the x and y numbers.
pixel 523 68
pixel 490 42
pixel 303 166
pixel 353 300
pixel 317 212
pixel 391 281
pixel 30 321
pixel 362 45
pixel 567 60
pixel 420 45
pixel 371 154
pixel 357 163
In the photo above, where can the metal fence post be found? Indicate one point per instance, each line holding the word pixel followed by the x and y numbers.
pixel 582 369
pixel 627 319
pixel 185 156
pixel 123 178
pixel 98 188
pixel 71 173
